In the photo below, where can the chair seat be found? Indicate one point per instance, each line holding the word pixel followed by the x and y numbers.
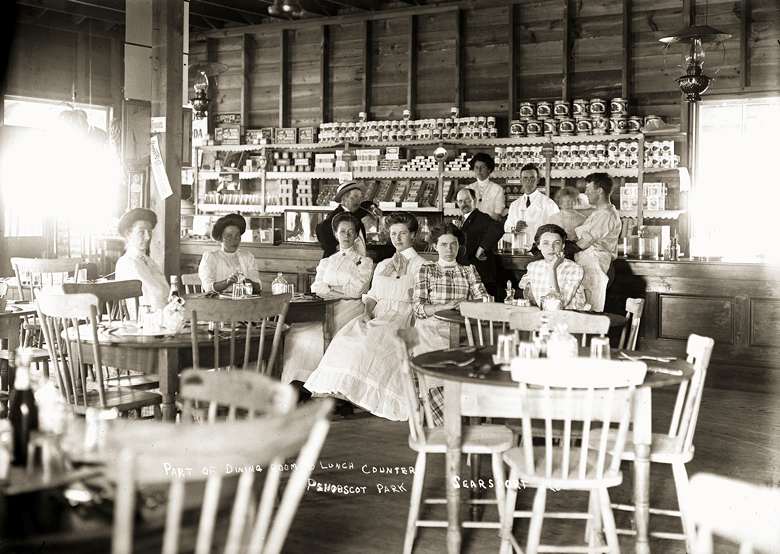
pixel 139 381
pixel 477 439
pixel 122 399
pixel 663 449
pixel 38 355
pixel 515 459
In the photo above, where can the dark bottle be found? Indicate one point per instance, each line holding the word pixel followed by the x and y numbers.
pixel 22 413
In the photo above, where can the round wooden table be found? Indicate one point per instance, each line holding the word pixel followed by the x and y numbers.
pixel 491 396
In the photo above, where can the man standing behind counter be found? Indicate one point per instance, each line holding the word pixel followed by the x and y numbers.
pixel 598 238
pixel 532 209
pixel 482 234
pixel 350 199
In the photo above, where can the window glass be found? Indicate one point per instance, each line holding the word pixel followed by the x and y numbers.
pixel 737 192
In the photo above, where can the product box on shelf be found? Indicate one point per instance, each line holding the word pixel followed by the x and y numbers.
pixel 286 136
pixel 307 135
pixel 254 136
pixel 230 133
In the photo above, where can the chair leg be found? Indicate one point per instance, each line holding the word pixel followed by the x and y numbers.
pixel 157 412
pixel 608 519
pixel 537 519
pixel 414 504
pixel 475 493
pixel 683 500
pixel 498 477
pixel 509 515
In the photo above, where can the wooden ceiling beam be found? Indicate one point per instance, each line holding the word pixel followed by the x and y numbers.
pixel 78 10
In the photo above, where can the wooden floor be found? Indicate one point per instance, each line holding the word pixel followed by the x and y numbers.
pixel 737 436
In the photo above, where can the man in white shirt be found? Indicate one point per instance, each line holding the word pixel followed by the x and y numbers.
pixel 531 210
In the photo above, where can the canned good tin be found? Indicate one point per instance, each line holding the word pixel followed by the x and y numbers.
pixel 362 116
pixel 491 121
pixel 634 124
pixel 598 106
pixel 580 108
pixel 561 108
pixel 483 132
pixel 584 126
pixel 468 132
pixel 550 127
pixel 618 106
pixel 528 110
pixel 543 110
pixel 493 132
pixel 454 111
pixel 436 133
pixel 481 121
pixel 533 128
pixel 407 114
pixel 600 125
pixel 517 128
pixel 566 126
pixel 440 123
pixel 617 125
pixel 449 122
pixel 408 134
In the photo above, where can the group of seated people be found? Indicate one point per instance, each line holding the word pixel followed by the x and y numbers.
pixel 360 365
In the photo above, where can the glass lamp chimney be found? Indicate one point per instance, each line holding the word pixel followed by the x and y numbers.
pixel 694 57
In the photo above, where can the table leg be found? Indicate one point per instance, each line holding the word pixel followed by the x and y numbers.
pixel 642 440
pixel 168 370
pixel 327 325
pixel 452 425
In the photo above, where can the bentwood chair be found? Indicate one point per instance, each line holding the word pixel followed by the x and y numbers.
pixel 34 273
pixel 634 309
pixel 151 457
pixel 591 394
pixel 737 511
pixel 61 317
pixel 114 297
pixel 477 439
pixel 245 322
pixel 576 322
pixel 191 282
pixel 244 393
pixel 676 446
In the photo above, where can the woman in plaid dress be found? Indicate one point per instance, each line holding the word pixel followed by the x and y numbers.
pixel 554 272
pixel 442 285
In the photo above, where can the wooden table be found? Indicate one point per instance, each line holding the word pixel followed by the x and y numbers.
pixel 306 309
pixel 468 396
pixel 10 329
pixel 455 320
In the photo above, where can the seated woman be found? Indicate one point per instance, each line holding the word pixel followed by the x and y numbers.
pixel 345 275
pixel 221 268
pixel 553 272
pixel 136 227
pixel 361 364
pixel 442 285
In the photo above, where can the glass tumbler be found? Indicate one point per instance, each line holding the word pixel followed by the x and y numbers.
pixel 599 348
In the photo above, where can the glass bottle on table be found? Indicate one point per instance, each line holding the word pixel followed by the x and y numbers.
pixel 22 410
pixel 279 285
pixel 174 292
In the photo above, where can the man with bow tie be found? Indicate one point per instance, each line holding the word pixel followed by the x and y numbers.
pixel 482 234
pixel 532 209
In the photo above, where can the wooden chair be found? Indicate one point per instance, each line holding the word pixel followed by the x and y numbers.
pixel 113 297
pixel 576 322
pixel 740 512
pixel 477 439
pixel 247 392
pixel 634 309
pixel 61 316
pixel 90 272
pixel 592 394
pixel 676 446
pixel 240 320
pixel 191 282
pixel 34 273
pixel 478 314
pixel 149 456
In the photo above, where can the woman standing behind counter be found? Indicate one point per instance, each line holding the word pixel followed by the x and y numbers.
pixel 490 196
pixel 220 269
pixel 136 227
pixel 345 276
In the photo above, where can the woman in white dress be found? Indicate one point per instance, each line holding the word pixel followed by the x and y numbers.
pixel 136 227
pixel 361 364
pixel 345 276
pixel 221 268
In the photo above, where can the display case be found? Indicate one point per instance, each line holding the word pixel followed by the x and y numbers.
pixel 300 225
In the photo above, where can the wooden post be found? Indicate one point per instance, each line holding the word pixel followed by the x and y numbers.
pixel 565 81
pixel 626 61
pixel 283 74
pixel 459 62
pixel 512 63
pixel 245 92
pixel 411 77
pixel 167 54
pixel 324 75
pixel 367 68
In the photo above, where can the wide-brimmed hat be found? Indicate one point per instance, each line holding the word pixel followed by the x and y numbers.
pixel 346 187
pixel 226 221
pixel 131 216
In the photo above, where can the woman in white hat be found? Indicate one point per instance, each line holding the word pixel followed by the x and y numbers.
pixel 220 269
pixel 136 227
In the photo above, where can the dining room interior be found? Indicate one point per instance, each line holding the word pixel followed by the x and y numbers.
pixel 356 276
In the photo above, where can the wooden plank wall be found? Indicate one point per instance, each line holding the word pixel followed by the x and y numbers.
pixel 431 58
